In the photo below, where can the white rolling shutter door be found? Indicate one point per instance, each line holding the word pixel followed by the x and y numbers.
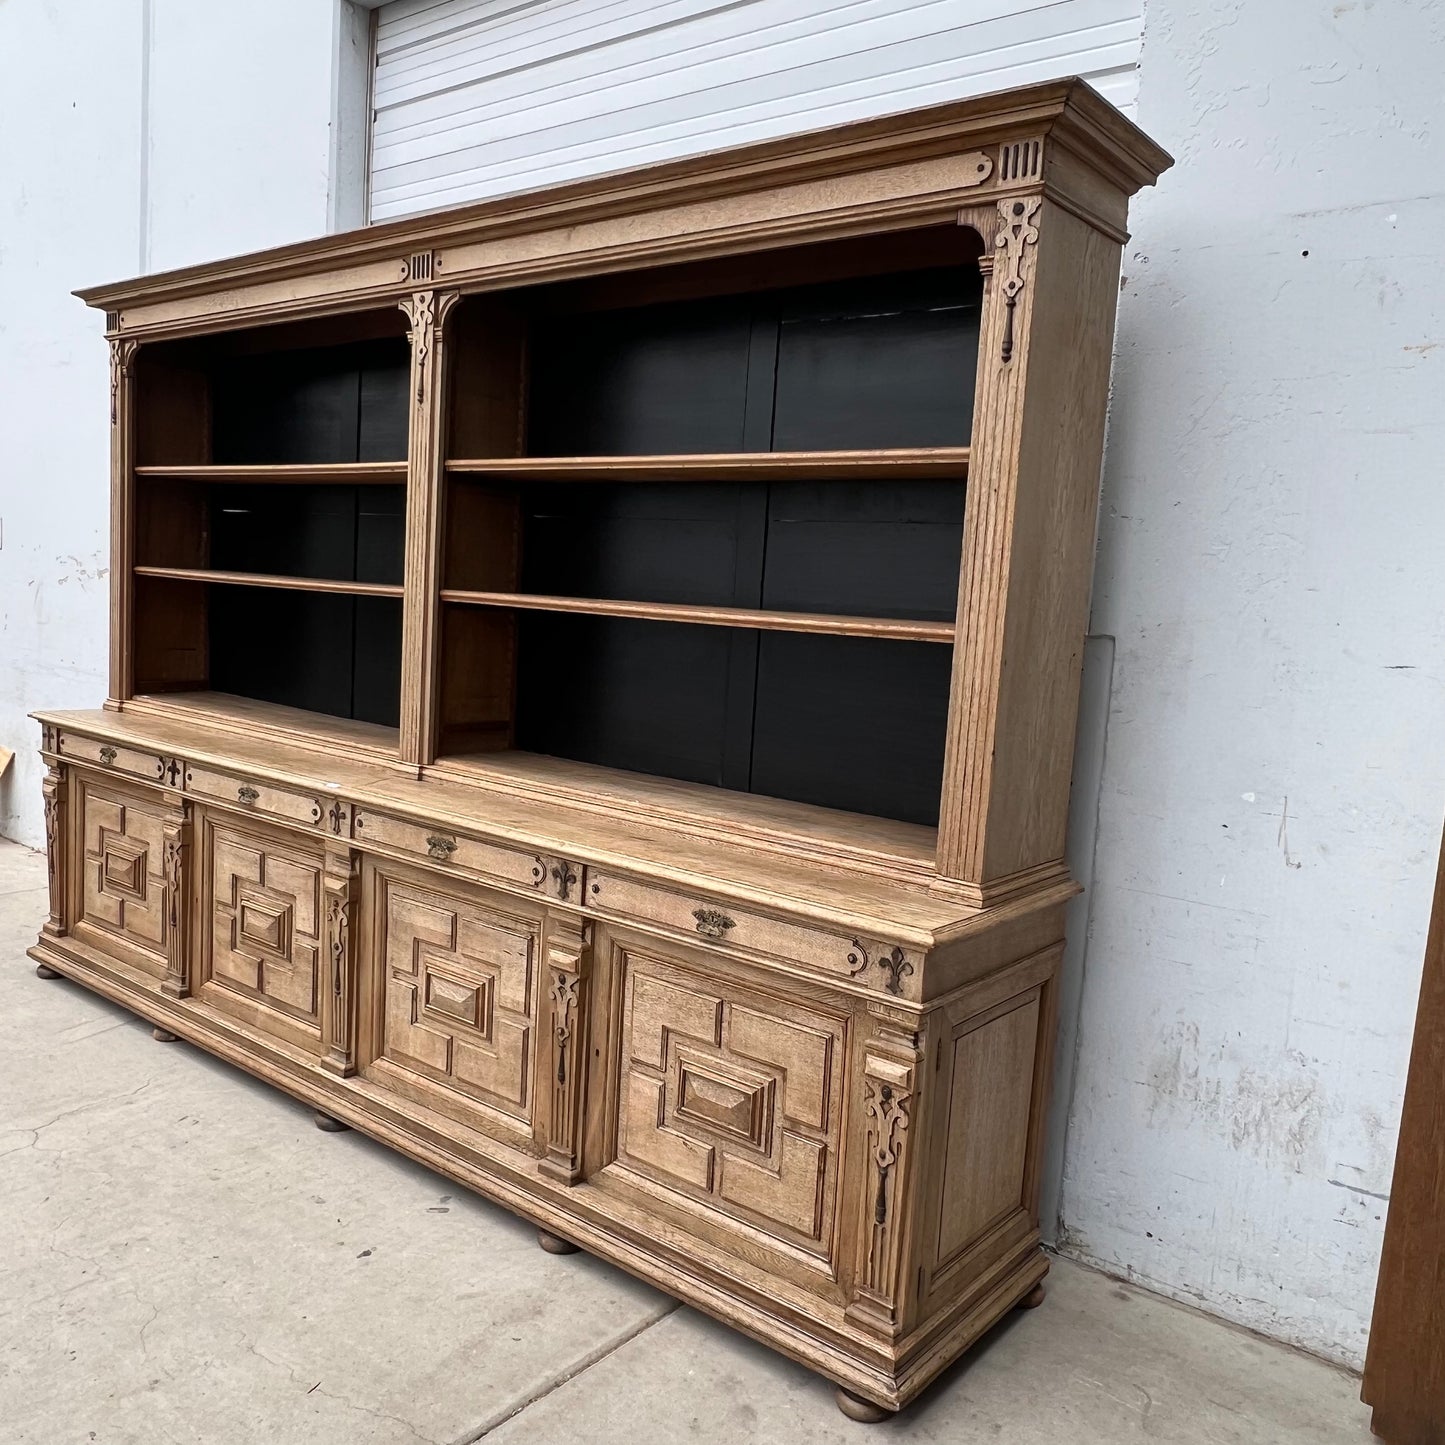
pixel 478 98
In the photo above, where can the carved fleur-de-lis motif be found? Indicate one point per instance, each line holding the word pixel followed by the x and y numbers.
pixel 1017 233
pixel 564 876
pixel 893 963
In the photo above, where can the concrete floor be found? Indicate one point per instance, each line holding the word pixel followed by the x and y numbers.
pixel 185 1258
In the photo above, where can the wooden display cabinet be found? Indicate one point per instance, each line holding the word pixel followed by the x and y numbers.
pixel 592 691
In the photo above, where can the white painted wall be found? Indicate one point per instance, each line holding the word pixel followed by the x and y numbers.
pixel 1272 569
pixel 1270 598
pixel 135 135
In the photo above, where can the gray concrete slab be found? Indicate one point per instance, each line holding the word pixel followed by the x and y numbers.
pixel 185 1258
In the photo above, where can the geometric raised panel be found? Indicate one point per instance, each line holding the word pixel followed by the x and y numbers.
pixel 124 885
pixel 986 1151
pixel 460 995
pixel 730 1099
pixel 266 923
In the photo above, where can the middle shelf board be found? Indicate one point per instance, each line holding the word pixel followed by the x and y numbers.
pixel 948 463
pixel 263 579
pixel 838 625
pixel 352 473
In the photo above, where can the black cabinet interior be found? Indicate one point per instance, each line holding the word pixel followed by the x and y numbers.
pixel 344 403
pixel 880 361
pixel 852 723
pixel 331 654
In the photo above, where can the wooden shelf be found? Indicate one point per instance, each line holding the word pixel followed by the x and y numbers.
pixel 356 473
pixel 840 626
pixel 941 462
pixel 260 579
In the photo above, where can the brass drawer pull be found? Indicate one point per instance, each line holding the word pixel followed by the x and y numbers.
pixel 107 756
pixel 440 847
pixel 246 793
pixel 711 923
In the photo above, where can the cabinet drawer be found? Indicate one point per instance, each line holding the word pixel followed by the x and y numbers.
pixel 149 766
pixel 269 800
pixel 722 924
pixel 452 850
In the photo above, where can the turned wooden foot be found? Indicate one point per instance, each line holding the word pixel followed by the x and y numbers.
pixel 327 1124
pixel 554 1244
pixel 1034 1298
pixel 855 1407
pixel 44 970
pixel 163 1036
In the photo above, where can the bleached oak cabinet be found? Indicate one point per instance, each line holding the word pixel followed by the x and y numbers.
pixel 592 689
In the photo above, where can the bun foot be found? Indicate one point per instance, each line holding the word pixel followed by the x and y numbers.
pixel 44 970
pixel 327 1124
pixel 855 1407
pixel 163 1036
pixel 1034 1298
pixel 555 1244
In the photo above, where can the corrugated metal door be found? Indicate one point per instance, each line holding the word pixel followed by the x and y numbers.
pixel 477 98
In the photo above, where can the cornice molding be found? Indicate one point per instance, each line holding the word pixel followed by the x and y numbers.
pixel 1067 112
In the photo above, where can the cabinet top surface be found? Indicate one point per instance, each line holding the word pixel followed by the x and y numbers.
pixel 830 896
pixel 1074 125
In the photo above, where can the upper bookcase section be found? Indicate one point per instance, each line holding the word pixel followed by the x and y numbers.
pixel 955 162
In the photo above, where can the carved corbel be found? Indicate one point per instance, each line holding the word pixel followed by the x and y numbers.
pixel 426 314
pixel 568 956
pixel 175 866
pixel 55 790
pixel 1013 245
pixel 122 369
pixel 891 1075
pixel 340 886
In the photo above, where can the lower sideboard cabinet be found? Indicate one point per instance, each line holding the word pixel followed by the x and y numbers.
pixel 829 1144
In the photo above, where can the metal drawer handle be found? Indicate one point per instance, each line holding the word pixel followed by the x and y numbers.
pixel 439 847
pixel 246 793
pixel 107 756
pixel 711 923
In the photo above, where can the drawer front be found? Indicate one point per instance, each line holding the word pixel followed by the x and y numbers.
pixel 263 923
pixel 729 1106
pixel 331 815
pixel 123 885
pixel 452 850
pixel 456 990
pixel 878 965
pixel 150 767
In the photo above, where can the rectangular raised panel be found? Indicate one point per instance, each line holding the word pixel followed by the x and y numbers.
pixel 123 884
pixel 264 923
pixel 986 1144
pixel 729 1100
pixel 459 983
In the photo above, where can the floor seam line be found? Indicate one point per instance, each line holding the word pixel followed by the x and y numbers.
pixel 567 1377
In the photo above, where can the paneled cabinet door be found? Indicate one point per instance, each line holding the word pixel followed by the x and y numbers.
pixel 452 995
pixel 122 905
pixel 725 1105
pixel 263 927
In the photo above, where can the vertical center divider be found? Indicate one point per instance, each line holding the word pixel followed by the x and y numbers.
pixel 426 313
